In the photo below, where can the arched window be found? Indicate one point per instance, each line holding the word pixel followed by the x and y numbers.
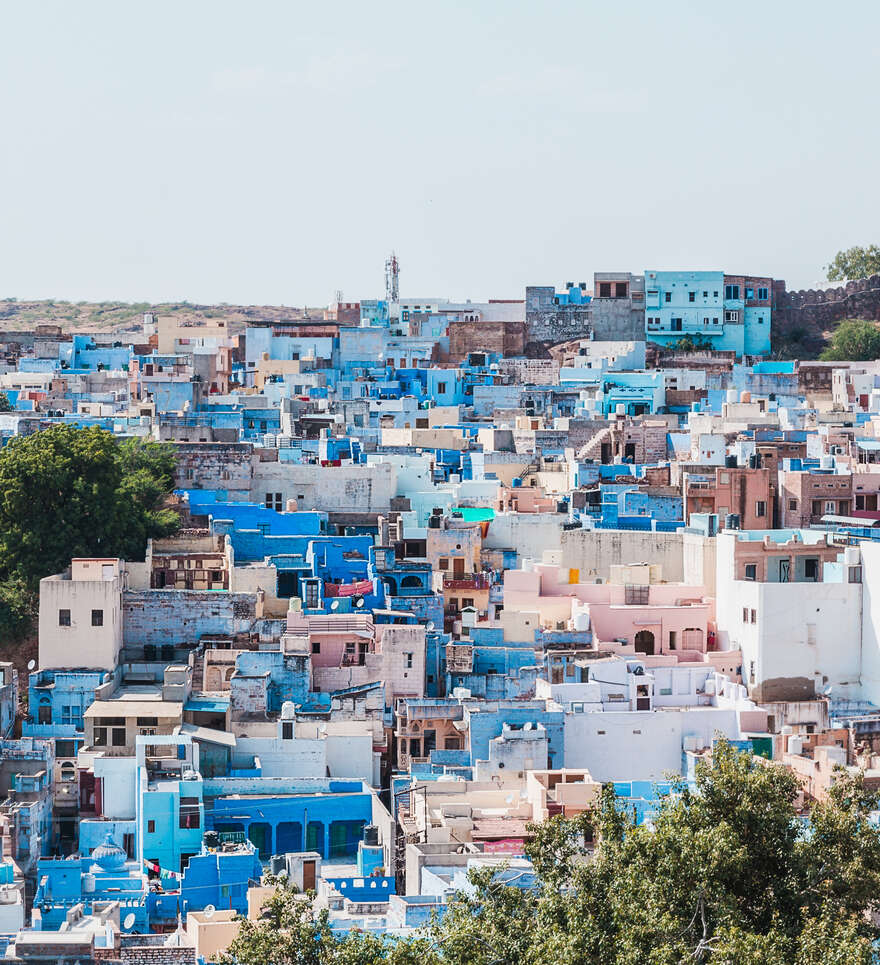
pixel 68 772
pixel 411 581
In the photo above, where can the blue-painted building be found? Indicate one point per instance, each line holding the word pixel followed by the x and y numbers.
pixel 733 313
pixel 292 814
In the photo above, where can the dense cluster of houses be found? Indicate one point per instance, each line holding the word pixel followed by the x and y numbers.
pixel 431 585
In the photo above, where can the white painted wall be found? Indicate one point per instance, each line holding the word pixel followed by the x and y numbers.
pixel 640 745
pixel 118 786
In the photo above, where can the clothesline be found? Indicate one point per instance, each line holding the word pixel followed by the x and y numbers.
pixel 162 872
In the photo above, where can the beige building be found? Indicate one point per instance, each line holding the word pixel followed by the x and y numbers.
pixel 81 615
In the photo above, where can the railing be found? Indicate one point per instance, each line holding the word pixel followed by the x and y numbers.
pixel 475 581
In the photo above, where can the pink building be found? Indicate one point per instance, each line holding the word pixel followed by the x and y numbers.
pixel 661 623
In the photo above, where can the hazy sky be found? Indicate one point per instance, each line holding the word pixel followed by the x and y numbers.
pixel 273 152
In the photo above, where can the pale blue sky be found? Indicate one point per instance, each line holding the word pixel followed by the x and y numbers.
pixel 272 152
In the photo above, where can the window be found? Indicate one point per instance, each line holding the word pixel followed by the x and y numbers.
pixel 287 730
pixel 620 289
pixel 692 296
pixel 667 296
pixel 811 569
pixel 604 289
pixel 109 731
pixel 151 827
pixel 189 813
pixel 97 618
pixel 705 294
pixel 443 563
pixel 855 574
pixel 745 614
pixel 752 615
pixel 792 504
pixel 636 595
pixel 760 508
pixel 409 661
pixel 316 646
pixel 466 601
pixel 750 293
pixel 731 292
pixel 731 316
pixel 441 388
pixel 830 506
pixel 751 571
pixel 64 618
pixel 762 294
pixel 311 600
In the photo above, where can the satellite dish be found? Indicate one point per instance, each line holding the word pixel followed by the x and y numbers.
pixel 334 605
pixel 31 664
pixel 129 920
pixel 359 602
pixel 429 625
pixel 209 911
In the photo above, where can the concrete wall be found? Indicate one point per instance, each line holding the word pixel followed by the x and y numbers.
pixel 528 533
pixel 640 745
pixel 594 552
pixel 340 489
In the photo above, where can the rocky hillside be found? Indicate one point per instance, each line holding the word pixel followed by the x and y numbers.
pixel 17 316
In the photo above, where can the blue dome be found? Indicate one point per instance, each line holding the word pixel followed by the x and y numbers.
pixel 109 856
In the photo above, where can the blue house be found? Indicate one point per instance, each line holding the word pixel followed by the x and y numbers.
pixel 733 313
pixel 293 814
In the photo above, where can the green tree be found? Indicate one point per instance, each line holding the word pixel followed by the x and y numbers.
pixel 17 606
pixel 5 404
pixel 68 492
pixel 727 874
pixel 854 340
pixel 855 262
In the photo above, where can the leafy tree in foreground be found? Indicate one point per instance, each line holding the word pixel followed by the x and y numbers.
pixel 727 875
pixel 854 340
pixel 68 492
pixel 855 262
pixel 5 404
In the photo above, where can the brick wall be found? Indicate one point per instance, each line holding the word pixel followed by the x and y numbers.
pixel 505 338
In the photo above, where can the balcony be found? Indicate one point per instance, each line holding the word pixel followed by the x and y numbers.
pixel 466 581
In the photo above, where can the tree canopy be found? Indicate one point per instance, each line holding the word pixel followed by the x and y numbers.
pixel 854 340
pixel 5 404
pixel 855 262
pixel 67 492
pixel 728 873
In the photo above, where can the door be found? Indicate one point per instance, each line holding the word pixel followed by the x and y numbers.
pixel 644 642
pixel 308 875
pixel 458 566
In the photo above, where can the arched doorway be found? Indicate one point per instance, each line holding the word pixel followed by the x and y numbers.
pixel 644 642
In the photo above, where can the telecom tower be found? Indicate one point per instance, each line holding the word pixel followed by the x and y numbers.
pixel 392 284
